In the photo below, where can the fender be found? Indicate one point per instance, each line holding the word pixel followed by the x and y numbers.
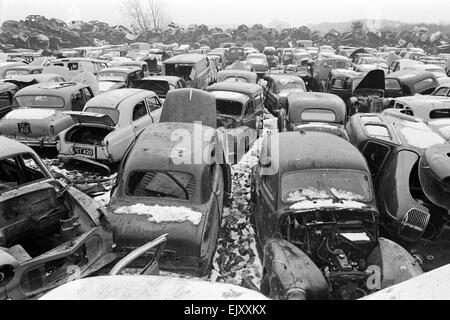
pixel 290 268
pixel 397 264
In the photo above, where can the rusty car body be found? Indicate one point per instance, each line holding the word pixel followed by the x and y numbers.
pixel 314 111
pixel 258 63
pixel 395 146
pixel 38 112
pixel 317 221
pixel 51 233
pixel 157 193
pixel 107 126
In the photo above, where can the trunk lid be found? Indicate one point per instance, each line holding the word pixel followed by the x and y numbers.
pixel 91 118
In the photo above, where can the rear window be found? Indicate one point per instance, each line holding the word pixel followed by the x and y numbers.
pixel 11 73
pixel 112 113
pixel 392 84
pixel 229 107
pixel 318 115
pixel 440 114
pixel 378 131
pixel 159 87
pixel 112 76
pixel 162 184
pixel 50 102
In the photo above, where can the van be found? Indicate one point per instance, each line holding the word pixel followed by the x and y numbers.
pixel 193 68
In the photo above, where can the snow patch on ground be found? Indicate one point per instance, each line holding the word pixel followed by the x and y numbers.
pixel 160 214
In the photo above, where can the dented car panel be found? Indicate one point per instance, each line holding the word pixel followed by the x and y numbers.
pixel 49 233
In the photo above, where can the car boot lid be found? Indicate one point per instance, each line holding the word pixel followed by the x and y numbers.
pixel 91 118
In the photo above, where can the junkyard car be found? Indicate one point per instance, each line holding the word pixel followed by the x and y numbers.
pixel 7 92
pixel 400 150
pixel 235 54
pixel 433 110
pixel 161 85
pixel 173 186
pixel 135 287
pixel 6 66
pixel 51 232
pixel 365 64
pixel 237 75
pixel 278 87
pixel 108 125
pixel 317 221
pixel 413 82
pixel 314 111
pixel 322 67
pixel 79 65
pixel 38 112
pixel 239 115
pixel 116 78
pixel 258 62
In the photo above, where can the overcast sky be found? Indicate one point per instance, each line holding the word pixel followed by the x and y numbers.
pixel 218 12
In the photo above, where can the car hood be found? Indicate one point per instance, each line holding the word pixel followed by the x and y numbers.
pixel 91 118
pixel 374 79
pixel 31 114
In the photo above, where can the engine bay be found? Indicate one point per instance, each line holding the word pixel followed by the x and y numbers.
pixel 339 243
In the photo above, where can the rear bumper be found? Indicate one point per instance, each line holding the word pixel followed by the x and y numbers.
pixel 40 142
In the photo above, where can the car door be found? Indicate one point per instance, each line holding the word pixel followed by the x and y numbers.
pixel 141 118
pixel 154 107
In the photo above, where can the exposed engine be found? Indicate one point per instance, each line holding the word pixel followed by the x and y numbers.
pixel 339 243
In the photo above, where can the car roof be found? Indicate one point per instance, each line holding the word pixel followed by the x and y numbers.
pixel 229 95
pixel 124 70
pixel 405 75
pixel 318 100
pixel 10 147
pixel 246 88
pixel 427 103
pixel 186 58
pixel 52 88
pixel 113 99
pixel 155 147
pixel 170 79
pixel 300 150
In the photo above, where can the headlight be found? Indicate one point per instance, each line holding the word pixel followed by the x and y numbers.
pixel 296 294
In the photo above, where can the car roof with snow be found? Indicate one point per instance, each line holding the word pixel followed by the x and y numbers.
pixel 169 79
pixel 115 98
pixel 187 58
pixel 300 150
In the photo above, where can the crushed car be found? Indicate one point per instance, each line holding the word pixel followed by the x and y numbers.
pixel 50 232
pixel 317 221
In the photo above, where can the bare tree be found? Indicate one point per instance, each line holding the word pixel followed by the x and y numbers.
pixel 146 14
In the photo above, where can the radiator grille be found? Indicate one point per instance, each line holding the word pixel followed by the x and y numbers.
pixel 414 223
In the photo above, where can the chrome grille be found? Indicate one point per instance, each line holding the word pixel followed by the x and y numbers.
pixel 414 223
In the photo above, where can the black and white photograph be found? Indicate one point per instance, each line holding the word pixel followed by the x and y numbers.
pixel 220 155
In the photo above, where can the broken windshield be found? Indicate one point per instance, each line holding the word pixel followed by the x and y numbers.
pixel 326 184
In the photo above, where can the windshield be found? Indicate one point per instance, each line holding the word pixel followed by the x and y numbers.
pixel 159 87
pixel 162 184
pixel 112 113
pixel 49 102
pixel 19 170
pixel 112 76
pixel 238 79
pixel 11 73
pixel 229 107
pixel 326 184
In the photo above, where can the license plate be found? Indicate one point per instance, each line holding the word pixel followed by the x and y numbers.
pixel 84 151
pixel 24 128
